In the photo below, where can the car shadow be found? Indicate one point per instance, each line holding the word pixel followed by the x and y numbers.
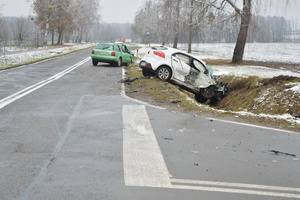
pixel 106 65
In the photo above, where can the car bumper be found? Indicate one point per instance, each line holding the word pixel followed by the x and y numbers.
pixel 105 59
pixel 146 66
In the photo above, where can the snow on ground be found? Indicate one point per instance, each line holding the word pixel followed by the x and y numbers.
pixel 263 72
pixel 30 56
pixel 266 52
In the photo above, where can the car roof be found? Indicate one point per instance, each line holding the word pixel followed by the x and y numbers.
pixel 171 51
pixel 121 43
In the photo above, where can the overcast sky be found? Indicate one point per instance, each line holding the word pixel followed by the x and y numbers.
pixel 122 11
pixel 112 11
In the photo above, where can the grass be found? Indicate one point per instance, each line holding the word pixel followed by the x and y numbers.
pixel 252 94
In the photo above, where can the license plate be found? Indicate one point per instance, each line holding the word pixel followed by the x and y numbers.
pixel 102 53
pixel 143 64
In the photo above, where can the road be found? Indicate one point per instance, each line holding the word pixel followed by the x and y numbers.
pixel 68 132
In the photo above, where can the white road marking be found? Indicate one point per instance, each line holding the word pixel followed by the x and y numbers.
pixel 251 125
pixel 8 100
pixel 236 191
pixel 238 188
pixel 238 185
pixel 143 162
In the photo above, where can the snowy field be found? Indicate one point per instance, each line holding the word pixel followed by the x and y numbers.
pixel 267 52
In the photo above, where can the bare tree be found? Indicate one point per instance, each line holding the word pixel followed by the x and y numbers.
pixel 242 37
pixel 3 28
pixel 243 32
pixel 176 21
pixel 197 12
pixel 21 29
pixel 86 16
pixel 44 10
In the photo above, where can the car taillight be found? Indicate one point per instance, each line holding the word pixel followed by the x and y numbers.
pixel 113 53
pixel 159 53
pixel 93 52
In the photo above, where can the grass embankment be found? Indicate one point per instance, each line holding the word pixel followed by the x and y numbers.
pixel 252 94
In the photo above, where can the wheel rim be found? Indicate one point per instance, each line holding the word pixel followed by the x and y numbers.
pixel 119 62
pixel 163 73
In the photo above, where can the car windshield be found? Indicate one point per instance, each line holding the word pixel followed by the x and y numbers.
pixel 211 71
pixel 105 47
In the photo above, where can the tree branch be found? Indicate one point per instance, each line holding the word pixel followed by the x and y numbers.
pixel 237 10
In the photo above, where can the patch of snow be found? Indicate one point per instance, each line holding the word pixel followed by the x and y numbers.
pixel 286 117
pixel 295 89
pixel 244 71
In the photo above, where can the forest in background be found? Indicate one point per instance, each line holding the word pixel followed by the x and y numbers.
pixel 67 21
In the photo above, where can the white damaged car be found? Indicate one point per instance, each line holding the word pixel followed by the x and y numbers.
pixel 184 69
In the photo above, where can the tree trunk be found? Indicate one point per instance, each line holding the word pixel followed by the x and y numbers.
pixel 191 28
pixel 177 24
pixel 52 37
pixel 242 37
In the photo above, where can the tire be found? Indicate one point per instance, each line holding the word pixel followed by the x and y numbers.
pixel 119 63
pixel 163 73
pixel 207 93
pixel 200 98
pixel 145 73
pixel 129 63
pixel 95 63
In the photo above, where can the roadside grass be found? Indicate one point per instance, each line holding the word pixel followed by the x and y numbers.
pixel 253 94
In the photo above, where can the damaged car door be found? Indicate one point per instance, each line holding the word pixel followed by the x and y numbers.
pixel 180 66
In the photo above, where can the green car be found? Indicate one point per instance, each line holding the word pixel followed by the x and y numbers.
pixel 112 53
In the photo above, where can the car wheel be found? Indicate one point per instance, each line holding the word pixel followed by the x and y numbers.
pixel 119 63
pixel 163 73
pixel 200 98
pixel 95 63
pixel 130 62
pixel 145 73
pixel 207 93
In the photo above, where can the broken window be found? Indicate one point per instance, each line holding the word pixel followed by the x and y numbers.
pixel 183 58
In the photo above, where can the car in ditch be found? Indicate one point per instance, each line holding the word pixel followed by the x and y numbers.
pixel 113 53
pixel 185 70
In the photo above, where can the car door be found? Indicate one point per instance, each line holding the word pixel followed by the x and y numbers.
pixel 118 51
pixel 180 65
pixel 126 56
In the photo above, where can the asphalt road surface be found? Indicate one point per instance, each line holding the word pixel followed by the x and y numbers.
pixel 67 131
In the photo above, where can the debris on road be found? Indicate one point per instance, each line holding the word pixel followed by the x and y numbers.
pixel 175 101
pixel 283 153
pixel 130 80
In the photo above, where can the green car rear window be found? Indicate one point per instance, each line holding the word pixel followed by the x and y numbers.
pixel 105 47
